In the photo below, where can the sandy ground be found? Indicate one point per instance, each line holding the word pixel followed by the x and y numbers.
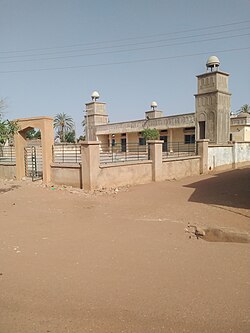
pixel 121 261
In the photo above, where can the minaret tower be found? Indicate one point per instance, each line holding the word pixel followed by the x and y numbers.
pixel 95 115
pixel 212 104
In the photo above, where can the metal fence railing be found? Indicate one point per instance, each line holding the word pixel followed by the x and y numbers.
pixel 119 152
pixel 66 153
pixel 178 149
pixel 7 154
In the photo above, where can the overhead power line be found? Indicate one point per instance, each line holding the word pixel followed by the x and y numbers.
pixel 124 62
pixel 129 38
pixel 122 51
pixel 126 45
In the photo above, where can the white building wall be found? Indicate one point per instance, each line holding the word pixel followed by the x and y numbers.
pixel 242 152
pixel 231 155
pixel 219 156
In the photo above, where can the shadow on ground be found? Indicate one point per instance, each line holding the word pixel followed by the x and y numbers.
pixel 10 188
pixel 230 189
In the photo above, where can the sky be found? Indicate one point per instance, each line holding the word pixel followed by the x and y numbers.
pixel 55 53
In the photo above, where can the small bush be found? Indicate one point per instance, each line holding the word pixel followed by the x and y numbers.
pixel 151 134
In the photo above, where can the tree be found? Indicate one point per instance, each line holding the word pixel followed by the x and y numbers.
pixel 63 123
pixel 70 137
pixel 245 108
pixel 81 138
pixel 33 134
pixel 7 130
pixel 7 127
pixel 150 134
pixel 2 107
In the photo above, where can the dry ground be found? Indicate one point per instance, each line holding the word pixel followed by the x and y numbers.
pixel 121 262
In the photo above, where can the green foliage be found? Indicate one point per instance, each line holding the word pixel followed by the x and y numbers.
pixel 2 107
pixel 7 130
pixel 245 108
pixel 7 127
pixel 33 134
pixel 81 138
pixel 70 137
pixel 150 134
pixel 63 124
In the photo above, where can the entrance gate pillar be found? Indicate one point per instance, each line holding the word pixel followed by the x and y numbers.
pixel 20 144
pixel 45 124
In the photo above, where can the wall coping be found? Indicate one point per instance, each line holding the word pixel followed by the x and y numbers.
pixel 34 118
pixel 218 145
pixel 127 163
pixel 66 165
pixel 181 158
pixel 89 143
pixel 7 164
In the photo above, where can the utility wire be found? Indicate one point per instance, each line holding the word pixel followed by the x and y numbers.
pixel 128 50
pixel 125 45
pixel 123 62
pixel 131 38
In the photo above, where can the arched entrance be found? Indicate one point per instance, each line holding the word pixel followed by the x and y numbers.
pixel 45 124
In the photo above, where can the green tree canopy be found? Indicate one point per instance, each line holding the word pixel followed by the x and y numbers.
pixel 150 134
pixel 33 134
pixel 245 108
pixel 63 124
pixel 7 130
pixel 7 127
pixel 70 137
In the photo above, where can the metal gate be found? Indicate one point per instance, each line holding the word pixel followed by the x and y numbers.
pixel 33 162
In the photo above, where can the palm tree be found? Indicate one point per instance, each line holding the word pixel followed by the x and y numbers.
pixel 63 123
pixel 245 108
pixel 2 107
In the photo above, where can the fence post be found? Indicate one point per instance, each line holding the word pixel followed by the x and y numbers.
pixel 155 147
pixel 90 155
pixel 202 151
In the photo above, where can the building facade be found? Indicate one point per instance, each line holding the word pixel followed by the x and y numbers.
pixel 211 119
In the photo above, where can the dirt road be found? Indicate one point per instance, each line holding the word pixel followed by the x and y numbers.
pixel 122 262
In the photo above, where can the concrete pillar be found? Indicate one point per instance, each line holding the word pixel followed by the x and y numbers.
pixel 20 144
pixel 90 152
pixel 202 151
pixel 47 136
pixel 155 147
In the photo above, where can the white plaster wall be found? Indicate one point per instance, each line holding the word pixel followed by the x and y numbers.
pixel 219 156
pixel 225 156
pixel 243 152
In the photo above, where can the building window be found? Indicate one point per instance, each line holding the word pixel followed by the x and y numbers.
pixel 190 138
pixel 142 141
